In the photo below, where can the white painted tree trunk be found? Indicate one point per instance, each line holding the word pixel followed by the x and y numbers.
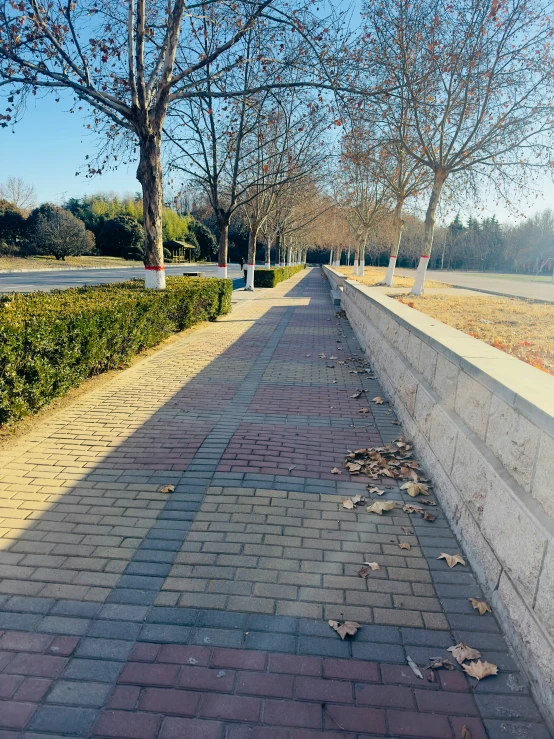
pixel 149 174
pixel 438 182
pixel 361 268
pixel 223 249
pixel 331 262
pixel 268 255
pixel 356 264
pixel 251 264
pixel 289 256
pixel 398 227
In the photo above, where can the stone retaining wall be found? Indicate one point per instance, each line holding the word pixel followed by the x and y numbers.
pixel 483 424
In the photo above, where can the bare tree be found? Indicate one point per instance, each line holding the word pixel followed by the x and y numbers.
pixel 130 62
pixel 19 193
pixel 474 79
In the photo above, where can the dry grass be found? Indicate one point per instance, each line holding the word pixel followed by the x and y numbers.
pixel 519 327
pixel 376 275
pixel 52 263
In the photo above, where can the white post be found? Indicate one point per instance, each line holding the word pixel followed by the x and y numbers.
pixel 154 278
pixel 222 270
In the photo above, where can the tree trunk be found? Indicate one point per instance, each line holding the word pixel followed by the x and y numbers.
pixel 398 228
pixel 268 254
pixel 331 259
pixel 438 182
pixel 223 228
pixel 149 174
pixel 251 261
pixel 356 261
pixel 361 265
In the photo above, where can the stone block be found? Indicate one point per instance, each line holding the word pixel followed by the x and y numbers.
pixel 443 437
pixel 427 362
pixel 544 604
pixel 473 476
pixel 515 538
pixel 543 482
pixel 445 380
pixel 422 411
pixel 472 404
pixel 514 440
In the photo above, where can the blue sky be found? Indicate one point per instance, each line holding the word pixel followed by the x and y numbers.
pixel 47 148
pixel 50 145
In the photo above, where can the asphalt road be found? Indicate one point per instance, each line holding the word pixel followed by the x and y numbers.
pixel 55 279
pixel 517 285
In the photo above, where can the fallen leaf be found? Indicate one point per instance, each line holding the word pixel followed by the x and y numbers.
pixel 292 467
pixel 466 733
pixel 414 489
pixel 409 508
pixel 358 394
pixel 437 662
pixel 381 505
pixel 452 559
pixel 479 669
pixel 480 606
pixel 354 468
pixel 429 516
pixel 322 356
pixel 363 410
pixel 167 489
pixel 333 357
pixel 405 545
pixel 364 572
pixel 376 490
pixel 407 530
pixel 336 471
pixel 415 669
pixel 424 501
pixel 378 400
pixel 373 565
pixel 397 423
pixel 348 628
pixel 461 652
pixel 350 503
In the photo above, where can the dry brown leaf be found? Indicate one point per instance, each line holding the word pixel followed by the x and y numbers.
pixel 363 410
pixel 407 530
pixel 353 467
pixel 357 394
pixel 348 628
pixel 452 559
pixel 167 489
pixel 479 669
pixel 429 516
pixel 424 501
pixel 372 565
pixel 437 662
pixel 405 545
pixel 381 505
pixel 378 400
pixel 336 471
pixel 466 733
pixel 364 572
pixel 414 489
pixel 461 652
pixel 480 606
pixel 351 503
pixel 409 508
pixel 376 490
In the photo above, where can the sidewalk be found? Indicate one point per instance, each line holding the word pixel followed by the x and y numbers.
pixel 202 612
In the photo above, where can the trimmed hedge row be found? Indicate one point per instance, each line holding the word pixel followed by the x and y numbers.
pixel 271 277
pixel 50 342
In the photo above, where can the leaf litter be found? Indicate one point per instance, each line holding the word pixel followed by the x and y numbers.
pixel 347 628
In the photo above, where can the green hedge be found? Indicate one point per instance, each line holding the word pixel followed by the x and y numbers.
pixel 50 342
pixel 271 277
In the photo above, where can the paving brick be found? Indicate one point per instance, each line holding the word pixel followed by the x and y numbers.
pixel 177 728
pixel 37 665
pixel 295 665
pixel 230 707
pixel 125 725
pixel 351 670
pixel 270 685
pixel 315 689
pixel 239 659
pixel 64 720
pixel 355 718
pixel 179 702
pixel 138 673
pixel 15 715
pixel 410 723
pixel 288 713
pixel 90 669
pixel 210 679
pixel 79 693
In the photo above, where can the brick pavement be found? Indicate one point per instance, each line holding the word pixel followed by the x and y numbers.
pixel 129 612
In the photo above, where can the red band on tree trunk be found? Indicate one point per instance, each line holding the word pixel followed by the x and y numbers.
pixel 155 268
pixel 249 265
pixel 393 256
pixel 222 265
pixel 425 256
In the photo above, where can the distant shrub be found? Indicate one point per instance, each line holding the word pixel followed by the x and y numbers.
pixel 122 236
